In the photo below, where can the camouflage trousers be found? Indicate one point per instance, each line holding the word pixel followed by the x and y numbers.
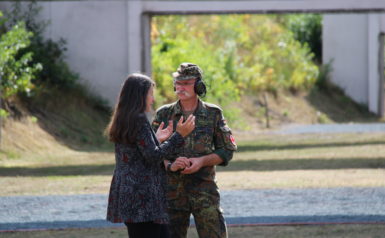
pixel 204 206
pixel 209 223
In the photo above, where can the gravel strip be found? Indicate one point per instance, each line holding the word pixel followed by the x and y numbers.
pixel 264 206
pixel 333 128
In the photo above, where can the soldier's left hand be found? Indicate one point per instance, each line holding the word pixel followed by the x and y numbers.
pixel 195 165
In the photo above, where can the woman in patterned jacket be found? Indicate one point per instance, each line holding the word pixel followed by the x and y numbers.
pixel 137 193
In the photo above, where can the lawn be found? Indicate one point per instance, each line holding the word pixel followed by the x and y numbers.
pixel 263 161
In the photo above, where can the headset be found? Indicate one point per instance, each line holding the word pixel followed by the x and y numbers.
pixel 199 87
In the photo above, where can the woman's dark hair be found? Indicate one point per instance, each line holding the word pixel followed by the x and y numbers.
pixel 130 106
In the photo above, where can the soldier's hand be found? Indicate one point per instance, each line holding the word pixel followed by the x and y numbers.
pixel 180 163
pixel 196 164
pixel 185 128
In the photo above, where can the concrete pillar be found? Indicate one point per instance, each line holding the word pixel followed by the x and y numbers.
pixel 146 43
pixel 373 62
pixel 134 36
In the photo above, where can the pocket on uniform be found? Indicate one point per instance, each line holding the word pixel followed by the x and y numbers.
pixel 203 140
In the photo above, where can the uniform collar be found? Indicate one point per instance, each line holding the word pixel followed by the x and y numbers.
pixel 201 109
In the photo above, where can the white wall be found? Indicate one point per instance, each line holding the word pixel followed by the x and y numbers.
pixel 345 40
pixel 96 34
pixel 351 43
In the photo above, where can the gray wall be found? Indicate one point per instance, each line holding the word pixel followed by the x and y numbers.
pixel 96 34
pixel 345 40
pixel 351 43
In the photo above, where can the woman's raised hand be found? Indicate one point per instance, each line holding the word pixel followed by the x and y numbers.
pixel 162 133
pixel 185 128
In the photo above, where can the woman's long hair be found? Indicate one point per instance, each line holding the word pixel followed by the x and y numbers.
pixel 130 106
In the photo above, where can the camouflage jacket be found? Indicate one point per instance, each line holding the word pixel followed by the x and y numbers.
pixel 211 135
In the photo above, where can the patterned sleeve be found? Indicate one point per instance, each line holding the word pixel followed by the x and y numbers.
pixel 224 141
pixel 148 146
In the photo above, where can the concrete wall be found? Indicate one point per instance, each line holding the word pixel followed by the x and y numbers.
pixel 97 34
pixel 347 52
pixel 351 43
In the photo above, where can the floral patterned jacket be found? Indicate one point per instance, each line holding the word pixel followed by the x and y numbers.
pixel 137 192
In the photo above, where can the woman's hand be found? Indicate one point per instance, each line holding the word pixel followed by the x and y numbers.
pixel 185 128
pixel 163 134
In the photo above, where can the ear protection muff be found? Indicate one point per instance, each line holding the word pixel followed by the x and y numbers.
pixel 200 88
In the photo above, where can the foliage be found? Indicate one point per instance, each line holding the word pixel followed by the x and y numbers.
pixel 169 51
pixel 3 113
pixel 307 29
pixel 50 53
pixel 238 53
pixel 56 73
pixel 16 67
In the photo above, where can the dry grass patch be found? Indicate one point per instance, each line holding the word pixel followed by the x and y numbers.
pixel 301 179
pixel 54 185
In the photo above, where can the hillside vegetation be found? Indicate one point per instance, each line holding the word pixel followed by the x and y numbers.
pixel 69 121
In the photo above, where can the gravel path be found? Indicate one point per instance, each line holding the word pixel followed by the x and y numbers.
pixel 265 206
pixel 333 128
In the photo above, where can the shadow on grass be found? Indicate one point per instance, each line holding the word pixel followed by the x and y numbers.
pixel 304 164
pixel 240 165
pixel 249 147
pixel 66 170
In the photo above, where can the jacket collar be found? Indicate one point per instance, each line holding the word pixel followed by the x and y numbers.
pixel 201 109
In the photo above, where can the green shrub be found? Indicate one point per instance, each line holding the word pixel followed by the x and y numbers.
pixel 307 29
pixel 51 54
pixel 16 67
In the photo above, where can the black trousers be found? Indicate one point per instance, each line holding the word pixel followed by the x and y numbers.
pixel 147 230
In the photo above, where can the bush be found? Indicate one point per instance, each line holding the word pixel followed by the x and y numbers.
pixel 16 67
pixel 307 29
pixel 169 51
pixel 51 54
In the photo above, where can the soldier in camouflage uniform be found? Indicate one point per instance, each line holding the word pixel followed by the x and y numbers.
pixel 193 190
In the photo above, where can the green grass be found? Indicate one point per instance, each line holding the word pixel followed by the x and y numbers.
pixel 299 231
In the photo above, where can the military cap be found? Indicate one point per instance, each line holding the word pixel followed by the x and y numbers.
pixel 187 71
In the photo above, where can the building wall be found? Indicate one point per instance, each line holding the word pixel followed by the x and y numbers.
pixel 345 40
pixel 96 36
pixel 351 44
